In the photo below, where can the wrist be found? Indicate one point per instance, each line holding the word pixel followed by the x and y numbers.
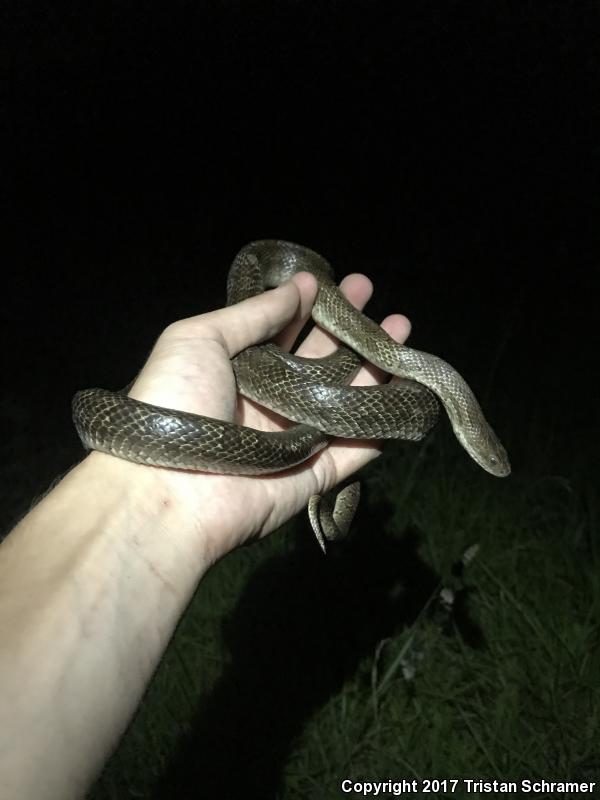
pixel 94 579
pixel 148 506
pixel 185 507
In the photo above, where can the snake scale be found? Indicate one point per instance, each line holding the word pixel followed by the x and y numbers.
pixel 311 392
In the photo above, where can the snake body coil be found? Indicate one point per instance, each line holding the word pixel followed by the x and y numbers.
pixel 308 391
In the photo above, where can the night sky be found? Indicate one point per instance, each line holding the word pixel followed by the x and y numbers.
pixel 448 150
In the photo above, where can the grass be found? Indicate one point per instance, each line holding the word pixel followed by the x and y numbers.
pixel 290 671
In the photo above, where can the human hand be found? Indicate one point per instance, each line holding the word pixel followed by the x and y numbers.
pixel 190 369
pixel 129 544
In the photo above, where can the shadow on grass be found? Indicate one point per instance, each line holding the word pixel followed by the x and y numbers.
pixel 302 625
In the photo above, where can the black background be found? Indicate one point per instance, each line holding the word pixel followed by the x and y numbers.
pixel 449 150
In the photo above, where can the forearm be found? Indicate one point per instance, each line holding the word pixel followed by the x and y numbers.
pixel 93 580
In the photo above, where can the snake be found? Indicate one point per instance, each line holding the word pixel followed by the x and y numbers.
pixel 312 393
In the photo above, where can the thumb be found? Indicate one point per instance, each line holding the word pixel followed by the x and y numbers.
pixel 261 317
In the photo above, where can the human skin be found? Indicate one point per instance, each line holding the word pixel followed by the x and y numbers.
pixel 95 578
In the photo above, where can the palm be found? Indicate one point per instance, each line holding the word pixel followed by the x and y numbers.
pixel 190 369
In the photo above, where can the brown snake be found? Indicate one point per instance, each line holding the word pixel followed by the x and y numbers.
pixel 311 392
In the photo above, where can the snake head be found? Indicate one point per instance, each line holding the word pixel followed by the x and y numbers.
pixel 498 464
pixel 485 449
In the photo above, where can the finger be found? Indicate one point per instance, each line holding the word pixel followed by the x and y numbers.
pixel 262 317
pixel 358 289
pixel 398 326
pixel 286 338
pixel 343 457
